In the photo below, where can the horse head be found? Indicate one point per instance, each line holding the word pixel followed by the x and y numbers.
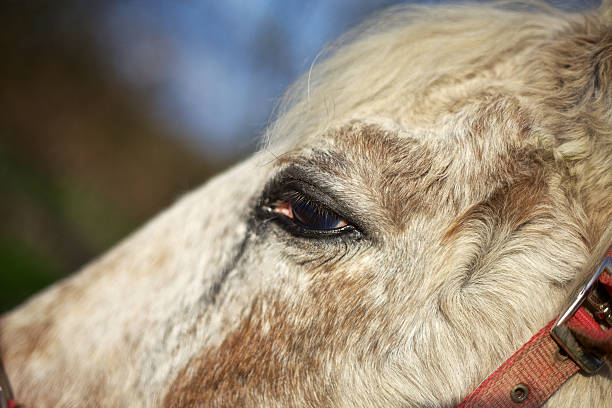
pixel 422 204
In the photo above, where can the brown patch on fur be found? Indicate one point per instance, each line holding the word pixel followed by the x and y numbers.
pixel 282 352
pixel 501 113
pixel 513 205
pixel 404 169
pixel 249 365
pixel 580 63
pixel 573 77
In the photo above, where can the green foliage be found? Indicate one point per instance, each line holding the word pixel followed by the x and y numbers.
pixel 23 271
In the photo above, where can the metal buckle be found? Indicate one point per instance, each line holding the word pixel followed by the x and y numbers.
pixel 600 305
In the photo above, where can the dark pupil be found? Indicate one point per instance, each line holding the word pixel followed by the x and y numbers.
pixel 313 216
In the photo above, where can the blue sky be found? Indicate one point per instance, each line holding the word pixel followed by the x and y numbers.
pixel 203 65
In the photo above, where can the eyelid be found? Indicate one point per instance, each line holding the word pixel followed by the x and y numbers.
pixel 275 193
pixel 294 202
pixel 306 181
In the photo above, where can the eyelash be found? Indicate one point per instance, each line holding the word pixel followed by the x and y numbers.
pixel 307 213
pixel 304 216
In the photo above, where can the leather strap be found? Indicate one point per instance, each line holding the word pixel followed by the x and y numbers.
pixel 527 379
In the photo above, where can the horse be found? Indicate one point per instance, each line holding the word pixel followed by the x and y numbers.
pixel 423 202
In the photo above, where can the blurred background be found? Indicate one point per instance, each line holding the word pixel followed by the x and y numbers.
pixel 111 110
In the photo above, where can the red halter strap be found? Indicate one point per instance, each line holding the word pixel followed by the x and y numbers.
pixel 574 341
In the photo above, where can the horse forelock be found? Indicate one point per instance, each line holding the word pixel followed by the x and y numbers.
pixel 472 158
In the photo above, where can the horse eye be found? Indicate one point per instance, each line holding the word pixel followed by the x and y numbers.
pixel 307 213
